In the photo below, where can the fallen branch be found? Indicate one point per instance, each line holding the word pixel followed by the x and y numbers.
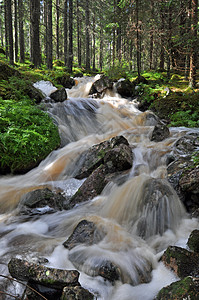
pixel 13 279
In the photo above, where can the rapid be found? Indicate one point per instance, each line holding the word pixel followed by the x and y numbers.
pixel 137 232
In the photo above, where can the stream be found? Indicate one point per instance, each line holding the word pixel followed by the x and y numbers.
pixel 121 210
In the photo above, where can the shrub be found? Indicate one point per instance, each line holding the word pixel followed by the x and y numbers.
pixel 27 135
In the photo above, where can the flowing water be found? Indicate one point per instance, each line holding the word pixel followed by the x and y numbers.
pixel 137 230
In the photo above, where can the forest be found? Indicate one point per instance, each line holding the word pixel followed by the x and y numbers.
pixel 99 149
pixel 97 35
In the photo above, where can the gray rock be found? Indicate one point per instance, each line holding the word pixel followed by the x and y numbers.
pixel 53 278
pixel 160 132
pixel 59 95
pixel 76 293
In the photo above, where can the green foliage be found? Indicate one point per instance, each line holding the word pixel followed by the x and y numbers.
pixel 195 158
pixel 27 135
pixel 185 118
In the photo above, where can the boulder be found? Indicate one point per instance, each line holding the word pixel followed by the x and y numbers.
pixel 53 278
pixel 59 95
pixel 78 75
pixel 76 293
pixel 111 161
pixel 34 93
pixel 183 176
pixel 183 262
pixel 187 288
pixel 94 157
pixel 189 181
pixel 125 88
pixel 36 291
pixel 7 71
pixel 193 241
pixel 66 81
pixel 160 133
pixel 85 232
pixel 187 144
pixel 100 86
pixel 41 201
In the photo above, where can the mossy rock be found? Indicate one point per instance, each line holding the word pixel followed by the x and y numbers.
pixel 193 241
pixel 6 71
pixel 188 288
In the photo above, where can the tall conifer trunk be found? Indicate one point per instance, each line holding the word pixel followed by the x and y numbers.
pixel 194 44
pixel 21 31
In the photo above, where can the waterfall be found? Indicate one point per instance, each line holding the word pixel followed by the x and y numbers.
pixel 139 214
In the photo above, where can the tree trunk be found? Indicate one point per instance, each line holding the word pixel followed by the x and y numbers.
pixel 162 39
pixel 10 31
pixel 35 20
pixel 169 42
pixel 21 31
pixel 119 33
pixel 49 35
pixel 138 40
pixel 78 35
pixel 1 25
pixel 70 58
pixel 6 28
pixel 94 41
pixel 66 32
pixel 194 50
pixel 16 29
pixel 151 36
pixel 57 27
pixel 87 35
pixel 101 45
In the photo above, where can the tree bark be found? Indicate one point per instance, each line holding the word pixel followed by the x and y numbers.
pixel 87 17
pixel 35 21
pixel 138 40
pixel 70 58
pixel 66 32
pixel 21 31
pixel 162 39
pixel 94 33
pixel 57 27
pixel 193 55
pixel 10 31
pixel 6 28
pixel 78 35
pixel 16 29
pixel 49 35
pixel 151 36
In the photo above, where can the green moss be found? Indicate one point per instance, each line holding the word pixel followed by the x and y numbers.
pixel 27 136
pixel 180 290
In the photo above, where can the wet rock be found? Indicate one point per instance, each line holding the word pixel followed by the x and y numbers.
pixel 84 233
pixel 35 291
pixel 193 241
pixel 53 278
pixel 125 88
pixel 187 288
pixel 160 133
pixel 109 271
pixel 91 187
pixel 34 93
pixel 159 205
pixel 100 86
pixel 183 262
pixel 94 157
pixel 78 75
pixel 187 144
pixel 76 293
pixel 189 181
pixel 175 171
pixel 115 161
pixel 42 198
pixel 59 95
pixel 66 81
